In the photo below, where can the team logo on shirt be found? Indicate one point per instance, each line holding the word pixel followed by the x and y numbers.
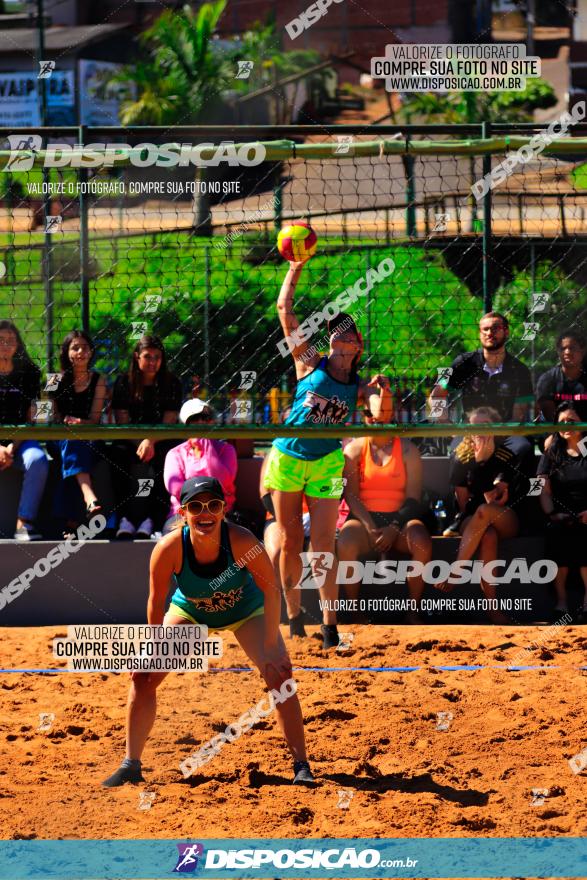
pixel 218 601
pixel 325 409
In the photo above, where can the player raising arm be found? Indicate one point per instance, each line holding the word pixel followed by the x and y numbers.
pixel 328 391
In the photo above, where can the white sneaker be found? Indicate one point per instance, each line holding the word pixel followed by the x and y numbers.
pixel 126 529
pixel 145 530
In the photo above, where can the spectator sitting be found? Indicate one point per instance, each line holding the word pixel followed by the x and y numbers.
pixel 19 387
pixel 383 491
pixel 79 400
pixel 196 458
pixel 149 394
pixel 567 382
pixel 492 377
pixel 564 501
pixel 488 484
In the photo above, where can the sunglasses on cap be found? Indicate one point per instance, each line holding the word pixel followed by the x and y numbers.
pixel 215 506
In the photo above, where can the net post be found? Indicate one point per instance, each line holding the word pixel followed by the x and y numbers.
pixel 487 239
pixel 207 315
pixel 46 266
pixel 84 244
pixel 411 228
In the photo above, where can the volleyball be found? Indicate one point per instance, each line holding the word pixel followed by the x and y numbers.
pixel 297 242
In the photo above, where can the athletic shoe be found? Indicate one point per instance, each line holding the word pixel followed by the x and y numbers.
pixel 122 775
pixel 27 532
pixel 126 530
pixel 296 626
pixel 145 530
pixel 302 773
pixel 453 530
pixel 329 636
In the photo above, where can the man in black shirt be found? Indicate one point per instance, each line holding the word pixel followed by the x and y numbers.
pixel 567 382
pixel 491 376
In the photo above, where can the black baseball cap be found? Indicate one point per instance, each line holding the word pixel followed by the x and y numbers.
pixel 198 486
pixel 342 322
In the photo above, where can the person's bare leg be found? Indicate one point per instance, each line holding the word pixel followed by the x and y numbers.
pixel 85 484
pixel 487 553
pixel 352 544
pixel 560 585
pixel 288 515
pixel 323 516
pixel 289 712
pixel 503 519
pixel 141 710
pixel 415 540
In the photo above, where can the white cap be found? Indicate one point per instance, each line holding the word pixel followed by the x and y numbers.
pixel 193 407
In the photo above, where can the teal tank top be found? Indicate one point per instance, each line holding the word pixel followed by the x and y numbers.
pixel 319 400
pixel 218 594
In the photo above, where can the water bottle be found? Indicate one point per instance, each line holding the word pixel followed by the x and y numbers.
pixel 440 515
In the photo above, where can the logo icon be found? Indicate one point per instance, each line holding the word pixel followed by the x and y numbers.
pixel 146 800
pixel 315 566
pixel 152 302
pixel 536 486
pixel 344 642
pixel 441 221
pixel 531 331
pixel 52 381
pixel 247 379
pixel 345 796
pixel 437 407
pixel 53 224
pixel 578 762
pixel 343 146
pixel 582 446
pixel 145 486
pixel 47 68
pixel 244 69
pixel 539 302
pixel 46 720
pixel 538 795
pixel 18 143
pixel 443 720
pixel 189 855
pixel 139 328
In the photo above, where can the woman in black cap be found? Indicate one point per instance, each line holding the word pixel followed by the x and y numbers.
pixel 224 580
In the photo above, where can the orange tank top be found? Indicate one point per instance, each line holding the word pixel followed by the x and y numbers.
pixel 382 488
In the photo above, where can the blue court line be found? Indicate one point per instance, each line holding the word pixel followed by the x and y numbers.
pixel 314 669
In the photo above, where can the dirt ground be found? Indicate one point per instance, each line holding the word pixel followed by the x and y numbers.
pixel 384 769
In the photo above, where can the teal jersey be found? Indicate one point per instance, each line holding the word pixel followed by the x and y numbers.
pixel 219 594
pixel 319 400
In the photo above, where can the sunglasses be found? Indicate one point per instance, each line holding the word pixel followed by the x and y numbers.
pixel 215 506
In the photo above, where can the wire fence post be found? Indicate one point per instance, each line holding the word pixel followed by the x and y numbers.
pixel 277 199
pixel 411 227
pixel 84 244
pixel 368 260
pixel 207 315
pixel 47 269
pixel 487 237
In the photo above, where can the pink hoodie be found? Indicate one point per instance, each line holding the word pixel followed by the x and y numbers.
pixel 211 458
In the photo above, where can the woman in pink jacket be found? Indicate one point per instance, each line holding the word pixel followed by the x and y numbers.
pixel 196 458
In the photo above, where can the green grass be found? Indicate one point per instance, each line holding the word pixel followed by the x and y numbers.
pixel 420 317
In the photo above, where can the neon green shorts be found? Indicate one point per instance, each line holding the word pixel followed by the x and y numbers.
pixel 179 612
pixel 321 478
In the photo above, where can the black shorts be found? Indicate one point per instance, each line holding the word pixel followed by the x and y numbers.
pixel 382 520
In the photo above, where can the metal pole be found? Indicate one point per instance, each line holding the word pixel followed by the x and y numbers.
pixel 411 228
pixel 277 199
pixel 207 315
pixel 46 261
pixel 84 243
pixel 532 291
pixel 531 19
pixel 487 241
pixel 369 314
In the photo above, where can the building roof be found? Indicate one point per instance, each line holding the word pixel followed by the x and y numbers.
pixel 57 39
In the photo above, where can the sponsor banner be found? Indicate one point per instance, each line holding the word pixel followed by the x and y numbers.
pixel 99 103
pixel 20 99
pixel 308 858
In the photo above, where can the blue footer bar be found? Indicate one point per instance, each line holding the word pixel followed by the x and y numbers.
pixel 310 858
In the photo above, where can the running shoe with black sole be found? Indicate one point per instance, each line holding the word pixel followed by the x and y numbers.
pixel 122 776
pixel 303 774
pixel 330 637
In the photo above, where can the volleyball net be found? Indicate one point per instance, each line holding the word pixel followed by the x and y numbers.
pixel 174 234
